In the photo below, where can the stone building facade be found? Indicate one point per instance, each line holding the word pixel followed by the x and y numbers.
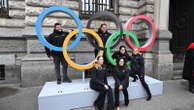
pixel 24 57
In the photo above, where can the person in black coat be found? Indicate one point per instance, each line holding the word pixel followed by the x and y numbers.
pixel 57 39
pixel 138 69
pixel 99 83
pixel 122 53
pixel 188 70
pixel 121 76
pixel 104 34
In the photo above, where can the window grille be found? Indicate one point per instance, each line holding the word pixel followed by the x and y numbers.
pixel 4 8
pixel 90 7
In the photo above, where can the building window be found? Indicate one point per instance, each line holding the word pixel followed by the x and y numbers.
pixel 4 8
pixel 2 72
pixel 90 7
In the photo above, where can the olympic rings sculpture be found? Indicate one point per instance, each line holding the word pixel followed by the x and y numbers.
pixel 108 46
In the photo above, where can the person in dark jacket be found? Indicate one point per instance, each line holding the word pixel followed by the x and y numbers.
pixel 188 70
pixel 138 69
pixel 122 53
pixel 99 83
pixel 104 34
pixel 57 39
pixel 121 76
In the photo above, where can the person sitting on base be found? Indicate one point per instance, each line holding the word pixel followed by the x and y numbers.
pixel 122 53
pixel 99 83
pixel 121 76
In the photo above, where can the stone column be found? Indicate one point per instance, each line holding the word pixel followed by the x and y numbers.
pixel 162 57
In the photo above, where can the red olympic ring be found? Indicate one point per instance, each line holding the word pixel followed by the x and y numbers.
pixel 152 33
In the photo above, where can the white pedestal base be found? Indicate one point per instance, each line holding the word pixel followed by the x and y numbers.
pixel 78 93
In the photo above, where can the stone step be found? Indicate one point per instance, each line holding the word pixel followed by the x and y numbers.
pixel 178 66
pixel 6 82
pixel 177 74
pixel 9 85
pixel 177 77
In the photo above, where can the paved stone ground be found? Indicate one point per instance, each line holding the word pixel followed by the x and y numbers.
pixel 175 97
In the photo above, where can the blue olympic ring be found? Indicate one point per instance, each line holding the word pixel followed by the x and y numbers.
pixel 38 27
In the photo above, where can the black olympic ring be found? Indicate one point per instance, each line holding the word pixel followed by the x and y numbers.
pixel 114 18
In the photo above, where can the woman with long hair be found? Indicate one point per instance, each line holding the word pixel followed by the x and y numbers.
pixel 121 76
pixel 122 53
pixel 99 83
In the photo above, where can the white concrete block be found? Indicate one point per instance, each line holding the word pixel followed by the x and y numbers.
pixel 78 93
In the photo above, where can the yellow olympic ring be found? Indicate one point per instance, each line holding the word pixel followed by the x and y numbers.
pixel 68 59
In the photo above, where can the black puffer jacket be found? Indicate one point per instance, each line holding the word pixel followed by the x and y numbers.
pixel 137 62
pixel 121 76
pixel 56 39
pixel 104 35
pixel 118 55
pixel 99 76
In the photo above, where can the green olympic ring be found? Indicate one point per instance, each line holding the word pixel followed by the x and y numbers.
pixel 109 42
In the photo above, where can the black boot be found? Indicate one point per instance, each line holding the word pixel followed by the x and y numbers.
pixel 67 80
pixel 134 78
pixel 149 97
pixel 96 108
pixel 149 94
pixel 58 81
pixel 126 103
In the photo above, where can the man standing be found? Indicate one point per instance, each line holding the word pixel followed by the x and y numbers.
pixel 138 68
pixel 104 34
pixel 188 70
pixel 57 39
